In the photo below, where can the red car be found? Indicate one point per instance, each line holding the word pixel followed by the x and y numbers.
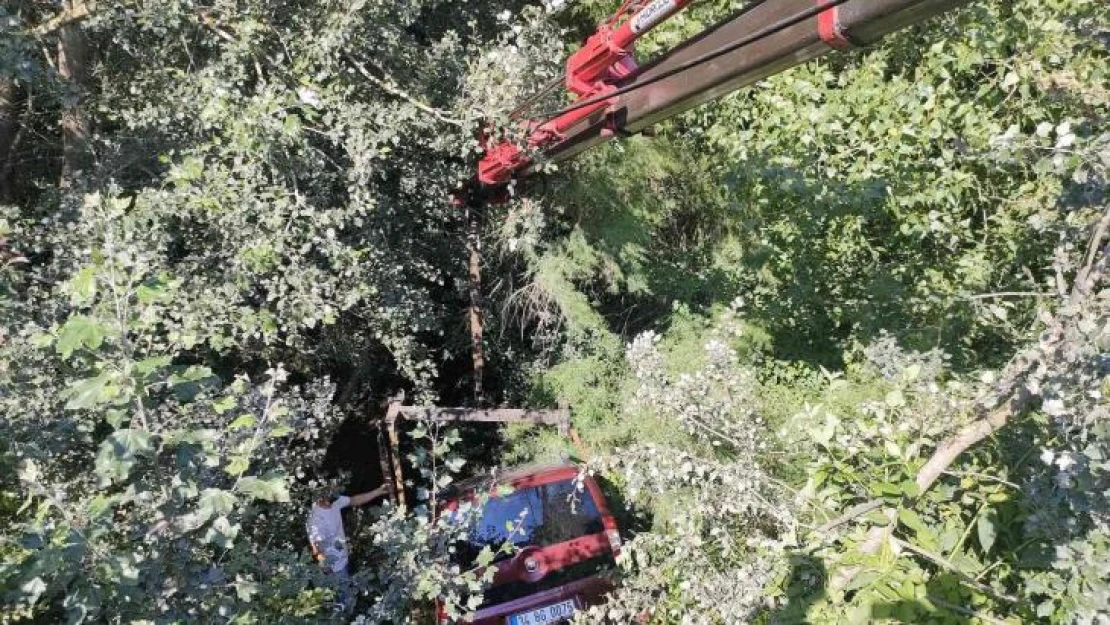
pixel 564 538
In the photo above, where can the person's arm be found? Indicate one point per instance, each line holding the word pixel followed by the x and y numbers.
pixel 365 498
pixel 317 554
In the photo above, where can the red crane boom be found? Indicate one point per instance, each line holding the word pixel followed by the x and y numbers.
pixel 615 96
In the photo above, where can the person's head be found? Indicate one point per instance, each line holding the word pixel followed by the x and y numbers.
pixel 325 499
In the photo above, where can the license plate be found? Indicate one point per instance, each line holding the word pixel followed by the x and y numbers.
pixel 546 614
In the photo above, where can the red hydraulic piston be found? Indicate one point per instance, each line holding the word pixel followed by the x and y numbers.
pixel 600 58
pixel 604 58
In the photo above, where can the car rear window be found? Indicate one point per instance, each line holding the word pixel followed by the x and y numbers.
pixel 547 514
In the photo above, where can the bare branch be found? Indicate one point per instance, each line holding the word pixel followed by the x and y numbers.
pixel 969 435
pixel 77 10
pixel 388 87
pixel 966 611
pixel 1096 239
pixel 1095 264
pixel 945 564
pixel 982 476
pixel 208 22
pixel 854 512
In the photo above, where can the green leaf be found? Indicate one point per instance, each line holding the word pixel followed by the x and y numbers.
pixel 188 383
pixel 269 487
pixel 191 168
pixel 214 501
pixel 222 533
pixel 32 589
pixel 42 340
pixel 912 372
pixel 192 373
pixel 119 453
pixel 149 365
pixel 82 287
pixel 455 463
pixel 987 530
pixel 485 556
pixel 100 505
pixel 91 392
pixel 132 440
pixel 115 417
pixel 281 430
pixel 242 421
pixel 910 488
pixel 863 579
pixel 895 399
pixel 151 291
pixel 824 434
pixel 202 436
pixel 245 589
pixel 238 465
pixel 291 125
pixel 223 404
pixel 881 489
pixel 859 614
pixel 910 519
pixel 79 331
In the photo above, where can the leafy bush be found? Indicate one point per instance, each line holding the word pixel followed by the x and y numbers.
pixel 838 342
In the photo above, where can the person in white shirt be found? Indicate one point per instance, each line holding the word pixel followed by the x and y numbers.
pixel 329 541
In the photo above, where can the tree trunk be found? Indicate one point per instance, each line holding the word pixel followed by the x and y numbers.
pixel 73 65
pixel 9 128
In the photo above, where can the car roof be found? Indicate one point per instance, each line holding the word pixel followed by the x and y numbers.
pixel 504 476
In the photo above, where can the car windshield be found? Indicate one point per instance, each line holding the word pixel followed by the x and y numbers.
pixel 538 516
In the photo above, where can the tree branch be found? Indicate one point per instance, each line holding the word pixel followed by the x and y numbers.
pixel 1096 239
pixel 1095 264
pixel 391 89
pixel 1016 397
pixel 209 23
pixel 948 566
pixel 969 435
pixel 854 512
pixel 77 10
pixel 965 611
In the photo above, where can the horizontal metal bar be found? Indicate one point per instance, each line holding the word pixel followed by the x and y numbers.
pixel 559 416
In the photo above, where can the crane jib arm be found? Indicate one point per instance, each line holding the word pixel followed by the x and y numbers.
pixel 615 97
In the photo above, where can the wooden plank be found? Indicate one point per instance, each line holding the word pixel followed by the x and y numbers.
pixel 474 288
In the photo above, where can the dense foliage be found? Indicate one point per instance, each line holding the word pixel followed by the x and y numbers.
pixel 837 342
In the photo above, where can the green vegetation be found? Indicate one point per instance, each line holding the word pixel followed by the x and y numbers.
pixel 836 342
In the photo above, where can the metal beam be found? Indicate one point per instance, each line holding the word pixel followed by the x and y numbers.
pixel 559 417
pixel 861 21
